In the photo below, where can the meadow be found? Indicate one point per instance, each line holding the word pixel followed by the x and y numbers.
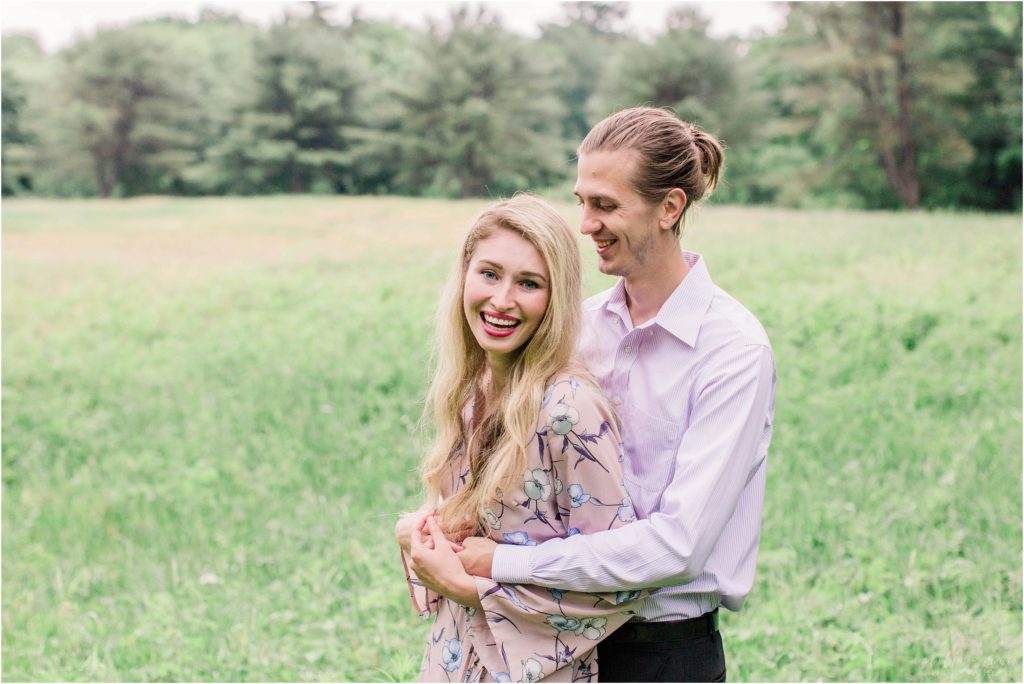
pixel 210 415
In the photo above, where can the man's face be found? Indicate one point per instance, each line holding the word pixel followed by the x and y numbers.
pixel 622 224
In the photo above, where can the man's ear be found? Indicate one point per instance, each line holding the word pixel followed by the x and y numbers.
pixel 672 208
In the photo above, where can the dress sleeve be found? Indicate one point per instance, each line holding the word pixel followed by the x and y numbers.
pixel 424 601
pixel 538 631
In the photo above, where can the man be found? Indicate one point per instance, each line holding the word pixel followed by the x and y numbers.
pixel 692 376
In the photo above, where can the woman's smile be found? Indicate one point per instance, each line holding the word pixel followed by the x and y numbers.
pixel 498 325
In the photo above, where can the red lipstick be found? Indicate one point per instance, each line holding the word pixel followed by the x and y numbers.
pixel 498 330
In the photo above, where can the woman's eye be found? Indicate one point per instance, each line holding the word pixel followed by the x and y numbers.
pixel 530 285
pixel 489 274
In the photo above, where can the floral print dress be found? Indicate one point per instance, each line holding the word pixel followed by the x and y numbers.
pixel 573 485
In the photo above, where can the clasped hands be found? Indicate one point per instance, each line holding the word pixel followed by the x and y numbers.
pixel 445 562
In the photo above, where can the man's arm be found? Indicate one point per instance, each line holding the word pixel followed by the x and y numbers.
pixel 713 463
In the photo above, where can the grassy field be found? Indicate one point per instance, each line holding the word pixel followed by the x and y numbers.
pixel 209 412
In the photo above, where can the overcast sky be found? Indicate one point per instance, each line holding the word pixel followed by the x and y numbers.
pixel 58 24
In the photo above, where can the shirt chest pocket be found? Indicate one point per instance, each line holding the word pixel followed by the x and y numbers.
pixel 651 443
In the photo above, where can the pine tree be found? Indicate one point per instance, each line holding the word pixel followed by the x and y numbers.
pixel 129 109
pixel 294 135
pixel 477 117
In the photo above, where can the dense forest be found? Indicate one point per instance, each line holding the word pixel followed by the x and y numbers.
pixel 854 105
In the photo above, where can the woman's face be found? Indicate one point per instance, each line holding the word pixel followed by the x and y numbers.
pixel 506 294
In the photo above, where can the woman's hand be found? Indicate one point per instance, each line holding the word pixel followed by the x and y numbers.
pixel 404 527
pixel 436 565
pixel 408 521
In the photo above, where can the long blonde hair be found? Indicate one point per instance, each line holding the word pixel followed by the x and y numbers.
pixel 497 449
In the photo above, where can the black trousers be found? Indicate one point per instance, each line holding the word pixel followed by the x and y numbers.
pixel 701 659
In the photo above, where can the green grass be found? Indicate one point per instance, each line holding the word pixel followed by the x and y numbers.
pixel 209 412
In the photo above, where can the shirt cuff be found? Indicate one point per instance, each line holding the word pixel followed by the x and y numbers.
pixel 511 564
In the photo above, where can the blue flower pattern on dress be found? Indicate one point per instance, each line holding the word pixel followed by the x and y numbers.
pixel 532 670
pixel 563 418
pixel 518 538
pixel 593 628
pixel 625 512
pixel 537 484
pixel 527 633
pixel 579 497
pixel 451 654
pixel 564 624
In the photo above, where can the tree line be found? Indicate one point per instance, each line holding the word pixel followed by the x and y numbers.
pixel 854 105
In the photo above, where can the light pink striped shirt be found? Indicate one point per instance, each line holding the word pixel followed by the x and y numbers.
pixel 695 388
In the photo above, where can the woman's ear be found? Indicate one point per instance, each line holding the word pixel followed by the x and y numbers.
pixel 672 208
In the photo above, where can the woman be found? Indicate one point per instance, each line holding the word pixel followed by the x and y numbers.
pixel 526 449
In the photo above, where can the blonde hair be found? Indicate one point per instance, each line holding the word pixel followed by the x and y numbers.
pixel 671 153
pixel 497 449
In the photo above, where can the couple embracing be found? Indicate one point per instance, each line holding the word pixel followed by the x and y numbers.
pixel 595 486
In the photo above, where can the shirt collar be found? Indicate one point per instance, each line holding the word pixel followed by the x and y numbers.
pixel 682 313
pixel 611 302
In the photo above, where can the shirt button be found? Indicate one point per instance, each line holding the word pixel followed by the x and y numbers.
pixel 629 350
pixel 618 402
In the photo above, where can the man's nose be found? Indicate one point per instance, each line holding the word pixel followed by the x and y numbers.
pixel 589 224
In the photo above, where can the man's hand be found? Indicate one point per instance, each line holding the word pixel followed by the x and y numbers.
pixel 476 556
pixel 409 521
pixel 436 566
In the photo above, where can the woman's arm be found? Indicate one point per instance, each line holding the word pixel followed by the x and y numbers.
pixel 432 558
pixel 424 598
pixel 407 522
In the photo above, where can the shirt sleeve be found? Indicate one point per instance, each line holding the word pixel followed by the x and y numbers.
pixel 537 631
pixel 713 462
